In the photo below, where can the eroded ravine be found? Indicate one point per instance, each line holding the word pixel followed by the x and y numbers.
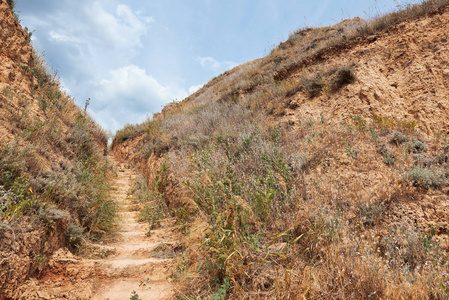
pixel 138 263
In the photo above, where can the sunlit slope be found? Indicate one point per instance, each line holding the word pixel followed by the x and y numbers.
pixel 320 170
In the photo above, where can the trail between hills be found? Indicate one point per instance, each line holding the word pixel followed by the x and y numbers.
pixel 138 263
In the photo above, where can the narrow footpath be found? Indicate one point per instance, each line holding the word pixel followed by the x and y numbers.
pixel 138 264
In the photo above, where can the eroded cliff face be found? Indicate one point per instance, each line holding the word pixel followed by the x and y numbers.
pixel 401 73
pixel 46 142
pixel 288 146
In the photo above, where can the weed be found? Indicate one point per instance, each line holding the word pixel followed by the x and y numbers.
pixel 41 259
pixel 388 154
pixel 398 138
pixel 3 228
pixel 344 76
pixel 155 207
pixel 313 85
pixel 134 296
pixel 387 124
pixel 129 131
pixel 359 122
pixel 371 214
pixel 41 71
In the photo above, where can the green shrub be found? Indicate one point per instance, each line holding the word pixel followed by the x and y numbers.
pixel 134 296
pixel 3 228
pixel 427 177
pixel 416 146
pixel 75 236
pixel 398 138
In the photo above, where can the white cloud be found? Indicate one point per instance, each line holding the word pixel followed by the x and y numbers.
pixel 60 37
pixel 130 94
pixel 195 88
pixel 211 63
pixel 133 81
pixel 124 28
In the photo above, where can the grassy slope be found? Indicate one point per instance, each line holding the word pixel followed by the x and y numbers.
pixel 320 206
pixel 53 176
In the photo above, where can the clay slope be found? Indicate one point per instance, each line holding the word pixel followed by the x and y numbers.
pixel 320 170
pixel 53 187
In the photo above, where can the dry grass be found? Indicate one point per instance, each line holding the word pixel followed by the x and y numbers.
pixel 305 210
pixel 278 230
pixel 56 158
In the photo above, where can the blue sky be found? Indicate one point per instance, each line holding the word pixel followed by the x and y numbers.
pixel 132 57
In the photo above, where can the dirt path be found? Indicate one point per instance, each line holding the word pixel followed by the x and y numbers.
pixel 138 263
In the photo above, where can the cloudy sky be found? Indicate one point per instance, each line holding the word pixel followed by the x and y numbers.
pixel 132 57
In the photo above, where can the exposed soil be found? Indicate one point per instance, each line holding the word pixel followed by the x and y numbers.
pixel 134 262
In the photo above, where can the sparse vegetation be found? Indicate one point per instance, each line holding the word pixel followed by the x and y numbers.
pixel 154 207
pixel 388 154
pixel 307 207
pixel 74 185
pixel 11 4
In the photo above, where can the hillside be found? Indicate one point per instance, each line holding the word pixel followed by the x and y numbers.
pixel 54 190
pixel 318 171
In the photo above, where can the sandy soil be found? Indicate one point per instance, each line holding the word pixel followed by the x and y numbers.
pixel 137 263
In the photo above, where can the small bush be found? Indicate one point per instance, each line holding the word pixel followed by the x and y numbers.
pixel 75 236
pixel 313 86
pixel 388 154
pixel 52 214
pixel 416 146
pixel 134 296
pixel 11 4
pixel 41 71
pixel 129 131
pixel 427 177
pixel 370 214
pixel 398 138
pixel 405 248
pixel 344 76
pixel 3 228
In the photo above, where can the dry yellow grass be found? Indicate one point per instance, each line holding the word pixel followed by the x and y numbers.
pixel 311 196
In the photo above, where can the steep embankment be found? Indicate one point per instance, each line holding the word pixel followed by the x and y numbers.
pixel 320 170
pixel 53 185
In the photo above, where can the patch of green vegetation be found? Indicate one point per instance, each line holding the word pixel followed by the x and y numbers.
pixel 427 177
